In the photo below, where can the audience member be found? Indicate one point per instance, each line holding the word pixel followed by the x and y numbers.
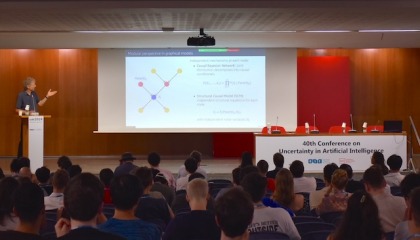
pixel 394 177
pixel 59 182
pixel 182 172
pixel 391 208
pixel 25 172
pixel 106 175
pixel 234 213
pixel 302 184
pixel 336 197
pixel 43 177
pixel 352 185
pixel 83 202
pixel 191 165
pixel 315 198
pixel 247 170
pixel 199 223
pixel 154 161
pixel 14 168
pixel 409 229
pixel 29 207
pixel 2 174
pixel 360 221
pixel 125 192
pixel 74 170
pixel 278 160
pixel 262 166
pixel 8 220
pixel 284 196
pixel 64 163
pixel 161 185
pixel 151 209
pixel 379 159
pixel 236 172
pixel 246 159
pixel 126 164
pixel 267 219
pixel 410 182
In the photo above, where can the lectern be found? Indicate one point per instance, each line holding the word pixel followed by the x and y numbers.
pixel 32 139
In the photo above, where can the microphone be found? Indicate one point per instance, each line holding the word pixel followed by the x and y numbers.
pixel 314 129
pixel 33 102
pixel 277 130
pixel 374 130
pixel 351 121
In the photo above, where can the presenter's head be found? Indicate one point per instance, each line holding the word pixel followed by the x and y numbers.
pixel 29 84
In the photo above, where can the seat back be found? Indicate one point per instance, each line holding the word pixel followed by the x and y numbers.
pixel 274 128
pixel 338 129
pixel 268 236
pixel 303 219
pixel 307 227
pixel 302 129
pixel 316 235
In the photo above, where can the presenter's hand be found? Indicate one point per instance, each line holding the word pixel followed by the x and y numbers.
pixel 51 93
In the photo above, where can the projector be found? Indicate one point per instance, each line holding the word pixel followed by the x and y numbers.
pixel 202 40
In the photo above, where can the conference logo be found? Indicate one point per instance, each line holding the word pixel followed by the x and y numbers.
pixel 318 161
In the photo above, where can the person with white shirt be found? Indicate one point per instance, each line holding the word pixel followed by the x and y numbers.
pixel 394 177
pixel 315 198
pixel 302 184
pixel 182 172
pixel 56 199
pixel 391 208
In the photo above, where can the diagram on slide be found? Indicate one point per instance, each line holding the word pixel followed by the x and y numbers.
pixel 154 96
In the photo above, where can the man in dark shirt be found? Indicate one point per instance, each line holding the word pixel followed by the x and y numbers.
pixel 199 223
pixel 28 99
pixel 278 160
pixel 28 202
pixel 83 201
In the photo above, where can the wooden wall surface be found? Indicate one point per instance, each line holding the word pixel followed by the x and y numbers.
pixel 385 84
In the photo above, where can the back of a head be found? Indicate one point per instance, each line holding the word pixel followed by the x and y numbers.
pixel 74 170
pixel 234 212
pixel 125 191
pixel 197 155
pixel 14 166
pixel 2 174
pixel 24 162
pixel 415 205
pixel 83 197
pixel 297 168
pixel 373 176
pixel 347 168
pixel 378 158
pixel 106 175
pixel 394 162
pixel 328 171
pixel 339 179
pixel 153 159
pixel 284 192
pixel 255 185
pixel 8 186
pixel 145 175
pixel 28 202
pixel 191 164
pixel 64 162
pixel 409 182
pixel 60 179
pixel 247 170
pixel 197 189
pixel 278 160
pixel 246 159
pixel 262 166
pixel 25 172
pixel 43 174
pixel 361 219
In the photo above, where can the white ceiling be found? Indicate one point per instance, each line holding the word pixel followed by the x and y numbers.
pixel 233 23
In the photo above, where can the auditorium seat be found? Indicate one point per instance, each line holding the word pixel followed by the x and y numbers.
pixel 268 236
pixel 302 129
pixel 304 228
pixel 316 235
pixel 274 128
pixel 338 129
pixel 304 219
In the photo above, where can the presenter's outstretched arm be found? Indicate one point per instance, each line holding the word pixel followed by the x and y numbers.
pixel 49 94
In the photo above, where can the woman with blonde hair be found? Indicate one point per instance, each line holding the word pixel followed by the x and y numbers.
pixel 336 197
pixel 284 194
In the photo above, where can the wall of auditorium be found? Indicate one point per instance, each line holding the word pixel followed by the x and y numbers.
pixel 384 85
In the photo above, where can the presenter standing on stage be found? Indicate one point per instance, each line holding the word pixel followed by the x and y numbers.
pixel 28 101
